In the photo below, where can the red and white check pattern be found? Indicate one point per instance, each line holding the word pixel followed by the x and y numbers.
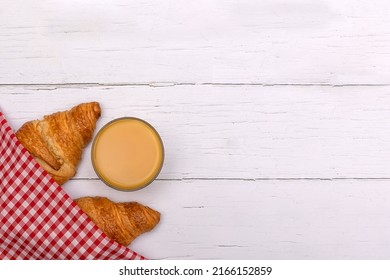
pixel 38 220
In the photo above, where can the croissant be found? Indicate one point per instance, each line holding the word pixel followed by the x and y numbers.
pixel 57 141
pixel 122 222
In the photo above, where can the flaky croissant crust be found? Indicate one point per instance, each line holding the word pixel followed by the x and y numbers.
pixel 57 141
pixel 122 222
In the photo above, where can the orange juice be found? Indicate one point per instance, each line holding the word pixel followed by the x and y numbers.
pixel 127 153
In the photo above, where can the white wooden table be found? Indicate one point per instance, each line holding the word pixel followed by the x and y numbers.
pixel 275 115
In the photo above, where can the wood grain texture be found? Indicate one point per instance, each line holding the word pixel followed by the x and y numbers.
pixel 244 132
pixel 339 219
pixel 266 108
pixel 217 41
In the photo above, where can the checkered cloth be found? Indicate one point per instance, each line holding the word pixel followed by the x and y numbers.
pixel 38 220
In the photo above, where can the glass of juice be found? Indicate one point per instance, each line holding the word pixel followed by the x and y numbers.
pixel 127 154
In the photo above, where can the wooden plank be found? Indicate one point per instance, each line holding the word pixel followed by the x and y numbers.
pixel 339 219
pixel 220 41
pixel 239 132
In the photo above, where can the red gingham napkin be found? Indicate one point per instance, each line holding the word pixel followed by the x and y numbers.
pixel 38 220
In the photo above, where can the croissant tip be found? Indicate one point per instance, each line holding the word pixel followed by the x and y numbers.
pixel 155 215
pixel 96 109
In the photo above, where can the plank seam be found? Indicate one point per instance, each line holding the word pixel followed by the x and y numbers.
pixel 54 86
pixel 259 179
